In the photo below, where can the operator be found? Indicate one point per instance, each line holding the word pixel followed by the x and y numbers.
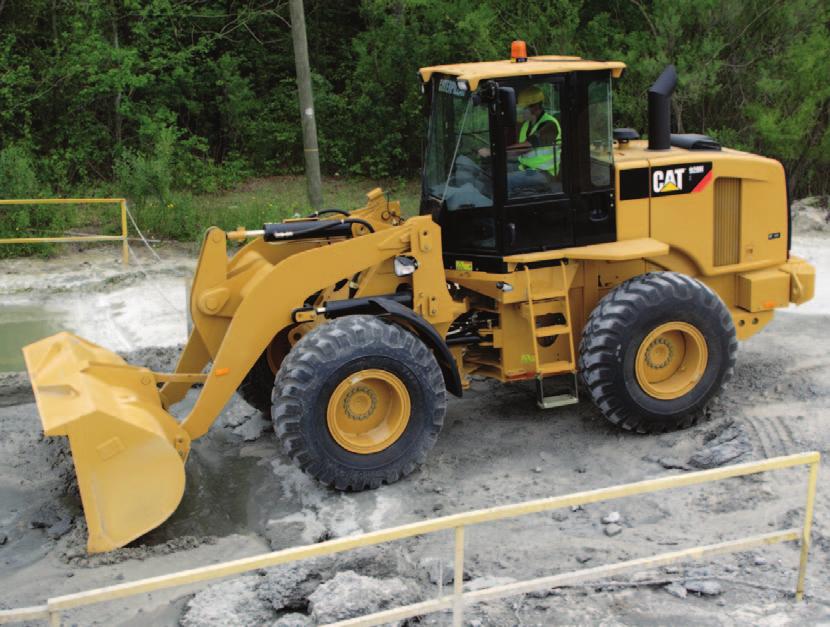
pixel 534 159
pixel 538 135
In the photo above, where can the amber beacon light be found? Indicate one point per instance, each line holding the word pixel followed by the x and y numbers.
pixel 518 51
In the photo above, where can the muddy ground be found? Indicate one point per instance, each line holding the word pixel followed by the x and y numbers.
pixel 244 496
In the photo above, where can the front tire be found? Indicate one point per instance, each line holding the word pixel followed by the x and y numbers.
pixel 655 350
pixel 358 402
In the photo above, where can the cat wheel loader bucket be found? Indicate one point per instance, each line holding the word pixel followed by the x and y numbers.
pixel 129 453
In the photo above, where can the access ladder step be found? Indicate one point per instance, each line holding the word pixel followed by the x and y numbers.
pixel 552 330
pixel 556 367
pixel 557 400
pixel 562 399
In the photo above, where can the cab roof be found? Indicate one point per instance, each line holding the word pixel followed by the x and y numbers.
pixel 473 73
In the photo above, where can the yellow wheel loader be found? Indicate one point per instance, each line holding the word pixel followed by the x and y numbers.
pixel 550 247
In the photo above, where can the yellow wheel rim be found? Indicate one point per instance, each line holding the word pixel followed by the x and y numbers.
pixel 368 411
pixel 671 360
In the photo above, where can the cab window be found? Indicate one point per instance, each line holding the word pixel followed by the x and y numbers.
pixel 600 132
pixel 459 134
pixel 534 158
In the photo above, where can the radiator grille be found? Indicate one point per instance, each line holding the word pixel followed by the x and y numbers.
pixel 727 221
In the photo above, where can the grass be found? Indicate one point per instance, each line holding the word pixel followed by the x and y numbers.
pixel 257 201
pixel 185 217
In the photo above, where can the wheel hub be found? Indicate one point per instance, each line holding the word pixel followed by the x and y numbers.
pixel 659 353
pixel 368 411
pixel 671 360
pixel 360 402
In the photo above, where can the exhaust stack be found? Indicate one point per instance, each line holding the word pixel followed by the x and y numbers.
pixel 659 109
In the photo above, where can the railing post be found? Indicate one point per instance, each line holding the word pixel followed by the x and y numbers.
pixel 125 246
pixel 458 579
pixel 805 535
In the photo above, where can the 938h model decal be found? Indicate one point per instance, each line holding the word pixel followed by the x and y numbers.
pixel 681 178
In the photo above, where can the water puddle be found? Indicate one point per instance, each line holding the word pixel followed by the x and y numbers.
pixel 21 325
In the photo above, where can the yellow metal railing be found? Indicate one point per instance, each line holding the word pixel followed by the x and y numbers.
pixel 459 599
pixel 125 249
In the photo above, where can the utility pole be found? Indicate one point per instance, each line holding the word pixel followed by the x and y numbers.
pixel 312 154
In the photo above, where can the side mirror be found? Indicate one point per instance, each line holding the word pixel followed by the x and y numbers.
pixel 507 106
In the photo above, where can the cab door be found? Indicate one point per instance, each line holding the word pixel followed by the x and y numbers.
pixel 536 202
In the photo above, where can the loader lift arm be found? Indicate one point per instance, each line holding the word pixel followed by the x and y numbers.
pixel 248 322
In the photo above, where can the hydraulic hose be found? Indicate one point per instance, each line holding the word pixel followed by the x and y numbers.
pixel 322 212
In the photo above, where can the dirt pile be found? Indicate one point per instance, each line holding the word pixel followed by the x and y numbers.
pixel 311 592
pixel 811 215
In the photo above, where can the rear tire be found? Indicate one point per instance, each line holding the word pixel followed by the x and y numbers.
pixel 330 386
pixel 655 350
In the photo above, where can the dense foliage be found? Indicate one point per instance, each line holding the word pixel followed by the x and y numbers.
pixel 153 95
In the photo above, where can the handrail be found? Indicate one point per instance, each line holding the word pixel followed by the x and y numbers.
pixel 457 522
pixel 125 249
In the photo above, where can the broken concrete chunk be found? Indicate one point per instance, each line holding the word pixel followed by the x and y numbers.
pixel 60 528
pixel 233 602
pixel 703 587
pixel 676 590
pixel 728 443
pixel 670 463
pixel 348 595
pixel 488 581
pixel 613 530
pixel 438 570
pixel 613 517
pixel 292 620
pixel 286 587
pixel 253 428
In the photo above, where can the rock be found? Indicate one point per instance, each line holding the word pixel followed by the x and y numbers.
pixel 613 517
pixel 438 570
pixel 3 539
pixel 488 581
pixel 540 594
pixel 559 516
pixel 676 590
pixel 670 463
pixel 60 528
pixel 703 587
pixel 759 561
pixel 348 595
pixel 728 444
pixel 613 530
pixel 253 428
pixel 233 602
pixel 286 587
pixel 46 516
pixel 292 620
pixel 538 469
pixel 583 559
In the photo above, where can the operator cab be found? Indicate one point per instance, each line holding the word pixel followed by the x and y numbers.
pixel 519 156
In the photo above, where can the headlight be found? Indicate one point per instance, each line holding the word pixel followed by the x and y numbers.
pixel 405 265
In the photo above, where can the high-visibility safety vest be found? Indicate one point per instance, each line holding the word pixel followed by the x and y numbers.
pixel 541 157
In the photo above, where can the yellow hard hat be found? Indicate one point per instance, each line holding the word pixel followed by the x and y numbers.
pixel 530 96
